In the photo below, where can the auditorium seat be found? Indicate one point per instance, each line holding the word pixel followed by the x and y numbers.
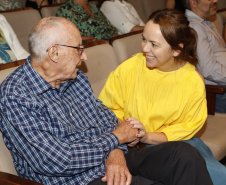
pixel 127 45
pixel 22 21
pixel 49 10
pixel 101 61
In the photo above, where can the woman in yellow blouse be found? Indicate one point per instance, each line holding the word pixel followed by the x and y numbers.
pixel 159 91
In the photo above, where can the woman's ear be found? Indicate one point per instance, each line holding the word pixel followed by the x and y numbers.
pixel 177 52
pixel 53 53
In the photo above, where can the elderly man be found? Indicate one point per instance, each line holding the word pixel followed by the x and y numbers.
pixel 59 133
pixel 211 48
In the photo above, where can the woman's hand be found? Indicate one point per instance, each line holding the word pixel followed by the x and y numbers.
pixel 138 125
pixel 132 144
pixel 143 136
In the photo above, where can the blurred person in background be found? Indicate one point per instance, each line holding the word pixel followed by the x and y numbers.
pixel 10 47
pixel 211 47
pixel 121 15
pixel 10 4
pixel 88 18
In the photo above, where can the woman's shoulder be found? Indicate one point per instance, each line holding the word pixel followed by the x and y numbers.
pixel 193 75
pixel 132 63
pixel 128 68
pixel 200 75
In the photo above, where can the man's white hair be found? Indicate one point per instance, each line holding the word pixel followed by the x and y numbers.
pixel 48 31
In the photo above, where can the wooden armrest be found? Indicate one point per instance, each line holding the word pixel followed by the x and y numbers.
pixel 9 179
pixel 211 91
pixel 51 5
pixel 12 64
pixel 93 42
pixel 17 9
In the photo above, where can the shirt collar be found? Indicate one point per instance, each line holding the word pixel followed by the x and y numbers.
pixel 37 83
pixel 192 16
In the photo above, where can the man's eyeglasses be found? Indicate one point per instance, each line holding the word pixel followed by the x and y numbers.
pixel 80 47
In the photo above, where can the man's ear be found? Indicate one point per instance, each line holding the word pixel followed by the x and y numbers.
pixel 53 53
pixel 177 52
pixel 193 3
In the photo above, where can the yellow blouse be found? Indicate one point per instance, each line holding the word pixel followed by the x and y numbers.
pixel 170 102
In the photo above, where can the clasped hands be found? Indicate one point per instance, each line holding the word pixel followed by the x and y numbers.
pixel 136 124
pixel 130 131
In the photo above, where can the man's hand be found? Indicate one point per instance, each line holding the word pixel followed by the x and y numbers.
pixel 125 133
pixel 116 170
pixel 132 144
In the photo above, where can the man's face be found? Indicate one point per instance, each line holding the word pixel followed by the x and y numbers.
pixel 70 58
pixel 206 8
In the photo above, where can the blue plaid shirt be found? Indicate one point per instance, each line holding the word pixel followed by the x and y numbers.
pixel 56 136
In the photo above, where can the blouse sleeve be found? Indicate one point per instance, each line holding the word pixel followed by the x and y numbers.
pixel 193 116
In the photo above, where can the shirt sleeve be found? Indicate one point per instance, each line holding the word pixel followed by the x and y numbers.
pixel 45 150
pixel 193 116
pixel 116 17
pixel 209 66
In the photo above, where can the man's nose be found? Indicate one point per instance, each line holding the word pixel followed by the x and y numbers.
pixel 84 55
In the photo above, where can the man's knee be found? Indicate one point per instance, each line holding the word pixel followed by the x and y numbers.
pixel 187 154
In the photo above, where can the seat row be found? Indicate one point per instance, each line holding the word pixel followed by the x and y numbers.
pixel 146 7
pixel 23 20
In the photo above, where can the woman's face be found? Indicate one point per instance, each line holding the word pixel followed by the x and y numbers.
pixel 158 52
